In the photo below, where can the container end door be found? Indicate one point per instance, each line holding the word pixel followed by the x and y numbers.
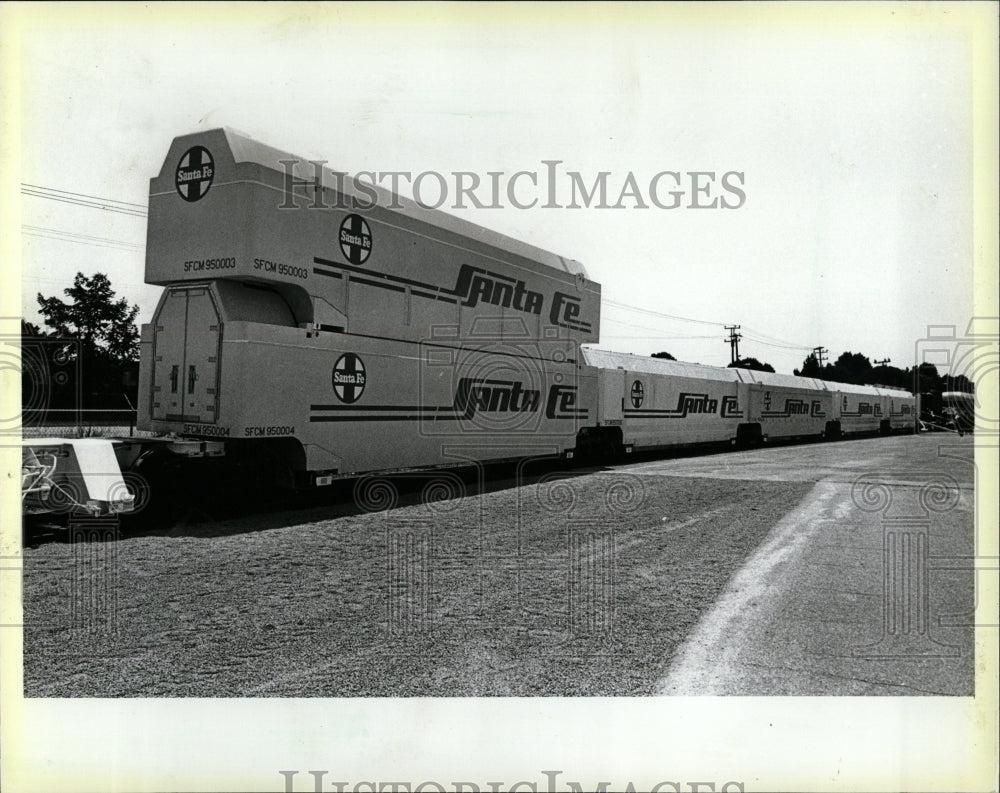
pixel 168 357
pixel 186 338
pixel 201 358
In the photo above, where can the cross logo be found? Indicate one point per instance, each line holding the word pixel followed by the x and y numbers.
pixel 348 378
pixel 637 394
pixel 195 172
pixel 355 239
pixel 767 400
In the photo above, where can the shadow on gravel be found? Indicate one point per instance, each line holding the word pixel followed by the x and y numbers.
pixel 210 511
pixel 206 507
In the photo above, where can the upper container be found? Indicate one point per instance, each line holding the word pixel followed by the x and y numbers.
pixel 352 257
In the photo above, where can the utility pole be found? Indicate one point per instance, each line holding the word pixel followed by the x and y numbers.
pixel 734 342
pixel 883 362
pixel 819 353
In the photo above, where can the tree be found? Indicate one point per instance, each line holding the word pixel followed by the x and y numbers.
pixel 105 326
pixel 31 329
pixel 892 376
pixel 751 363
pixel 102 339
pixel 855 368
pixel 46 372
pixel 665 355
pixel 851 367
pixel 958 383
pixel 810 367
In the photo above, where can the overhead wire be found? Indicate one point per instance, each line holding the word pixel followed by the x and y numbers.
pixel 796 347
pixel 70 236
pixel 757 336
pixel 655 330
pixel 662 314
pixel 82 195
pixel 113 245
pixel 86 200
pixel 82 199
pixel 760 335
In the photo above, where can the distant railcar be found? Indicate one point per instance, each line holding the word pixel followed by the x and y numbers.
pixel 960 409
pixel 654 403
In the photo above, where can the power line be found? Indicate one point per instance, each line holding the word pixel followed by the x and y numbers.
pixel 114 245
pixel 749 329
pixel 652 313
pixel 82 195
pixel 632 337
pixel 795 347
pixel 104 204
pixel 750 333
pixel 655 330
pixel 84 242
pixel 71 236
pixel 90 204
pixel 774 339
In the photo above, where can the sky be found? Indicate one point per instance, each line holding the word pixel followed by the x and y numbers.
pixel 853 137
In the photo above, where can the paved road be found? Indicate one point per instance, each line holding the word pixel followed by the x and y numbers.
pixel 866 587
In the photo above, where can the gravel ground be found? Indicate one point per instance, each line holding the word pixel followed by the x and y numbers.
pixel 583 584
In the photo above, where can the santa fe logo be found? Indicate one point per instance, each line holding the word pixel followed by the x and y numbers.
pixel 637 394
pixel 355 239
pixel 348 378
pixel 195 172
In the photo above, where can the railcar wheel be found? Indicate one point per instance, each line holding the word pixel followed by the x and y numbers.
pixel 748 435
pixel 600 444
pixel 155 481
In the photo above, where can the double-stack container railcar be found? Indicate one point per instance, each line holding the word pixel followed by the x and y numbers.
pixel 341 332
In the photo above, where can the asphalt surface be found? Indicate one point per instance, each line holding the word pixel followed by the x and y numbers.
pixel 755 572
pixel 865 588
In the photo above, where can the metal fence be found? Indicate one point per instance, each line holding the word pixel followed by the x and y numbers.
pixel 82 423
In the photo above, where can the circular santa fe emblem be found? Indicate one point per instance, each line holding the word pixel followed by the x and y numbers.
pixel 637 394
pixel 355 239
pixel 348 378
pixel 195 172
